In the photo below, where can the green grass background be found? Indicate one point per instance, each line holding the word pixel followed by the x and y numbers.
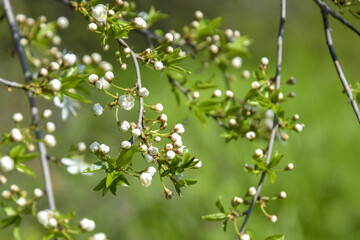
pixel 323 191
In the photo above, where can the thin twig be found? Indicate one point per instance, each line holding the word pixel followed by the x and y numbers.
pixel 325 10
pixel 34 109
pixel 8 83
pixel 275 124
pixel 138 82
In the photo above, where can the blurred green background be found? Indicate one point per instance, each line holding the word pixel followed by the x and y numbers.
pixel 323 192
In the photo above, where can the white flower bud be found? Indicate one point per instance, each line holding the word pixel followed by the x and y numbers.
pixel 53 222
pixel 198 163
pixel 163 118
pixel 18 117
pixel 259 153
pixel 44 216
pixel 56 40
pixel 217 93
pixel 255 85
pixel 43 72
pixel 229 34
pixel 280 96
pixel 153 151
pixel 136 132
pixel 168 146
pixel 99 85
pixel 29 22
pixel 38 193
pixel 15 135
pixel 272 218
pixel 198 15
pixel 237 34
pixel 93 78
pixel 232 122
pixel 24 42
pixel 145 179
pixel 143 92
pixel 6 164
pixel 170 154
pixel 97 109
pixel 92 27
pixel 237 201
pixel 14 188
pixel 178 143
pixel 87 224
pixel 55 85
pixel 3 179
pixel 236 62
pixel 50 127
pixel 251 191
pixel 86 59
pixel 143 148
pixel 149 158
pixel 54 66
pixel 94 146
pixel 244 236
pixel 127 50
pixel 157 139
pixel 158 108
pixel 246 74
pixel 296 117
pixel 250 135
pixel 123 66
pixel 179 128
pixel 96 57
pixel 124 126
pixel 126 102
pixel 49 140
pixel 169 50
pixel 282 195
pixel 109 76
pixel 180 150
pixel 289 166
pixel 104 149
pixel 125 144
pixel 47 113
pixel 158 66
pixel 81 146
pixel 111 12
pixel 151 170
pixel 214 49
pixel 229 94
pixel 20 18
pixel 264 61
pixel 99 236
pixel 298 127
pixel 99 13
pixel 195 24
pixel 21 202
pixel 69 59
pixel 168 37
pixel 196 95
pixel 216 37
pixel 174 137
pixel 6 194
pixel 139 23
pixel 62 22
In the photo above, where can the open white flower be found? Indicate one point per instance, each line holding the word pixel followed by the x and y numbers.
pixel 126 102
pixel 68 105
pixel 99 12
pixel 76 165
pixel 44 216
pixel 145 179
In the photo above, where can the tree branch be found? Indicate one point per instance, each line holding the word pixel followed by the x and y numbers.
pixel 325 10
pixel 34 110
pixel 275 124
pixel 8 83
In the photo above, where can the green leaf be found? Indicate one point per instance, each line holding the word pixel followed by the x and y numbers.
pixel 24 169
pixel 27 157
pixel 208 105
pixel 189 182
pixel 16 231
pixel 276 237
pixel 224 225
pixel 10 211
pixel 178 68
pixel 111 177
pixel 96 166
pixel 214 217
pixel 200 116
pixel 126 155
pixel 220 206
pixel 275 160
pixel 272 176
pixel 9 221
pixel 77 97
pixel 100 185
pixel 17 151
pixel 121 180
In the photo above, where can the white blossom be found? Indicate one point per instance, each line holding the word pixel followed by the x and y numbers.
pixel 136 132
pixel 69 59
pixel 38 193
pixel 62 22
pixel 244 236
pixel 109 76
pixel 196 95
pixel 44 216
pixel 153 151
pixel 21 202
pixel 251 191
pixel 264 61
pixel 6 163
pixel 273 218
pixel 68 105
pixel 298 127
pixel 170 154
pixel 104 149
pixel 124 126
pixel 54 66
pixel 97 109
pixel 50 140
pixel 20 18
pixel 94 146
pixel 55 85
pixel 50 127
pixel 81 146
pixel 198 163
pixel 178 143
pixel 149 158
pixel 255 85
pixel 217 93
pixel 232 122
pixel 198 15
pixel 158 108
pixel 93 78
pixel 289 166
pixel 259 153
pixel 158 66
pixel 145 179
pixel 87 224
pixel 229 94
pixel 282 195
pixel 126 102
pixel 15 135
pixel 14 188
pixel 168 37
pixel 214 49
pixel 139 23
pixel 143 92
pixel 179 128
pixel 92 27
pixel 250 135
pixel 75 165
pixel 99 13
pixel 125 144
pixel 99 85
pixel 53 222
pixel 96 57
pixel 6 194
pixel 151 170
pixel 236 62
pixel 174 137
pixel 163 118
pixel 18 117
pixel 143 148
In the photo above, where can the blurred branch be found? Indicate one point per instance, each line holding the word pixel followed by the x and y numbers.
pixel 138 83
pixel 33 108
pixel 275 124
pixel 325 11
pixel 11 84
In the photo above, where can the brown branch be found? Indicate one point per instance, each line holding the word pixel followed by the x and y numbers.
pixel 325 10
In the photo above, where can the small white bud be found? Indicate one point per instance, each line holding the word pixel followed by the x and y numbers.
pixel 174 137
pixel 237 34
pixel 255 85
pixel 163 118
pixel 24 42
pixel 251 191
pixel 217 93
pixel 96 57
pixel 94 146
pixel 198 15
pixel 47 113
pixel 81 146
pixel 21 202
pixel 87 224
pixel 143 92
pixel 158 108
pixel 6 164
pixel 149 158
pixel 54 66
pixel 229 94
pixel 195 24
pixel 244 236
pixel 214 49
pixel 145 179
pixel 246 74
pixel 104 149
pixel 125 144
pixel 97 109
pixel 50 140
pixel 99 236
pixel 169 49
pixel 127 50
pixel 198 164
pixel 6 194
pixel 15 135
pixel 20 18
pixel 216 37
pixel 86 59
pixel 196 95
pixel 151 170
pixel 280 96
pixel 158 66
pixel 124 126
pixel 143 148
pixel 93 78
pixel 272 218
pixel 3 179
pixel 43 72
pixel 264 61
pixel 296 117
pixel 259 153
pixel 237 201
pixel 109 76
pixel 139 23
pixel 18 117
pixel 50 127
pixel 136 132
pixel 153 151
pixel 250 135
pixel 55 85
pixel 157 139
pixel 29 22
pixel 53 222
pixel 38 193
pixel 178 143
pixel 282 195
pixel 229 33
pixel 14 188
pixel 69 59
pixel 168 37
pixel 236 62
pixel 62 22
pixel 92 27
pixel 170 154
pixel 111 12
pixel 179 128
pixel 289 166
pixel 99 85
pixel 298 127
pixel 232 122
